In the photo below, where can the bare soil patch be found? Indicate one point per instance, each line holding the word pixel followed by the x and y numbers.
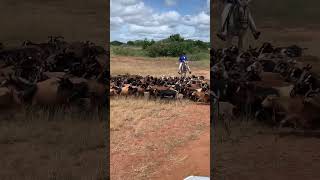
pixel 256 152
pixel 150 138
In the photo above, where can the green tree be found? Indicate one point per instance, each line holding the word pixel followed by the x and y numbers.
pixel 147 43
pixel 131 43
pixel 116 43
pixel 176 37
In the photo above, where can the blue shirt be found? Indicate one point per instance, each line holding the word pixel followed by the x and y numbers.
pixel 183 58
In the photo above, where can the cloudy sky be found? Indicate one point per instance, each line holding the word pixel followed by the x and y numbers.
pixel 158 19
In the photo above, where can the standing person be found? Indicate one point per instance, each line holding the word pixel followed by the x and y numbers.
pixel 183 62
pixel 228 7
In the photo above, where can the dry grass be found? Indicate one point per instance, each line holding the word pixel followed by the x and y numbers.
pixel 239 129
pixel 35 20
pixel 256 151
pixel 64 147
pixel 144 129
pixel 140 112
pixel 154 66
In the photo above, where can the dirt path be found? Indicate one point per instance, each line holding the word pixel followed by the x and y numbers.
pixel 196 156
pixel 265 155
pixel 169 149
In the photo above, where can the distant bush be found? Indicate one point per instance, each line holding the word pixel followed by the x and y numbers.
pixel 147 43
pixel 168 49
pixel 127 51
pixel 137 43
pixel 201 44
pixel 176 37
pixel 157 49
pixel 130 43
pixel 173 46
pixel 141 43
pixel 116 43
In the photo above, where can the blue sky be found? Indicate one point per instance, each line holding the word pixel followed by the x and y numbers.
pixel 157 19
pixel 184 7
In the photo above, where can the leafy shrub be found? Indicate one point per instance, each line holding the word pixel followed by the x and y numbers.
pixel 172 46
pixel 147 43
pixel 127 51
pixel 141 43
pixel 157 49
pixel 130 43
pixel 116 43
pixel 176 37
pixel 172 49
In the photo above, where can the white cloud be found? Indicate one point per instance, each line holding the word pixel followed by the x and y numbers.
pixel 164 29
pixel 132 19
pixel 125 9
pixel 170 2
pixel 116 22
pixel 201 19
pixel 167 17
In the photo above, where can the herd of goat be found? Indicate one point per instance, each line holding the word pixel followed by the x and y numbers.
pixel 194 88
pixel 53 73
pixel 270 84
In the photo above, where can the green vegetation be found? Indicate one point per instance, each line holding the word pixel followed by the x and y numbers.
pixel 173 46
pixel 126 50
pixel 116 43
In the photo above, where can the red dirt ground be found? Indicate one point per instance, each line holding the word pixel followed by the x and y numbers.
pixel 197 163
pixel 266 156
pixel 178 149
